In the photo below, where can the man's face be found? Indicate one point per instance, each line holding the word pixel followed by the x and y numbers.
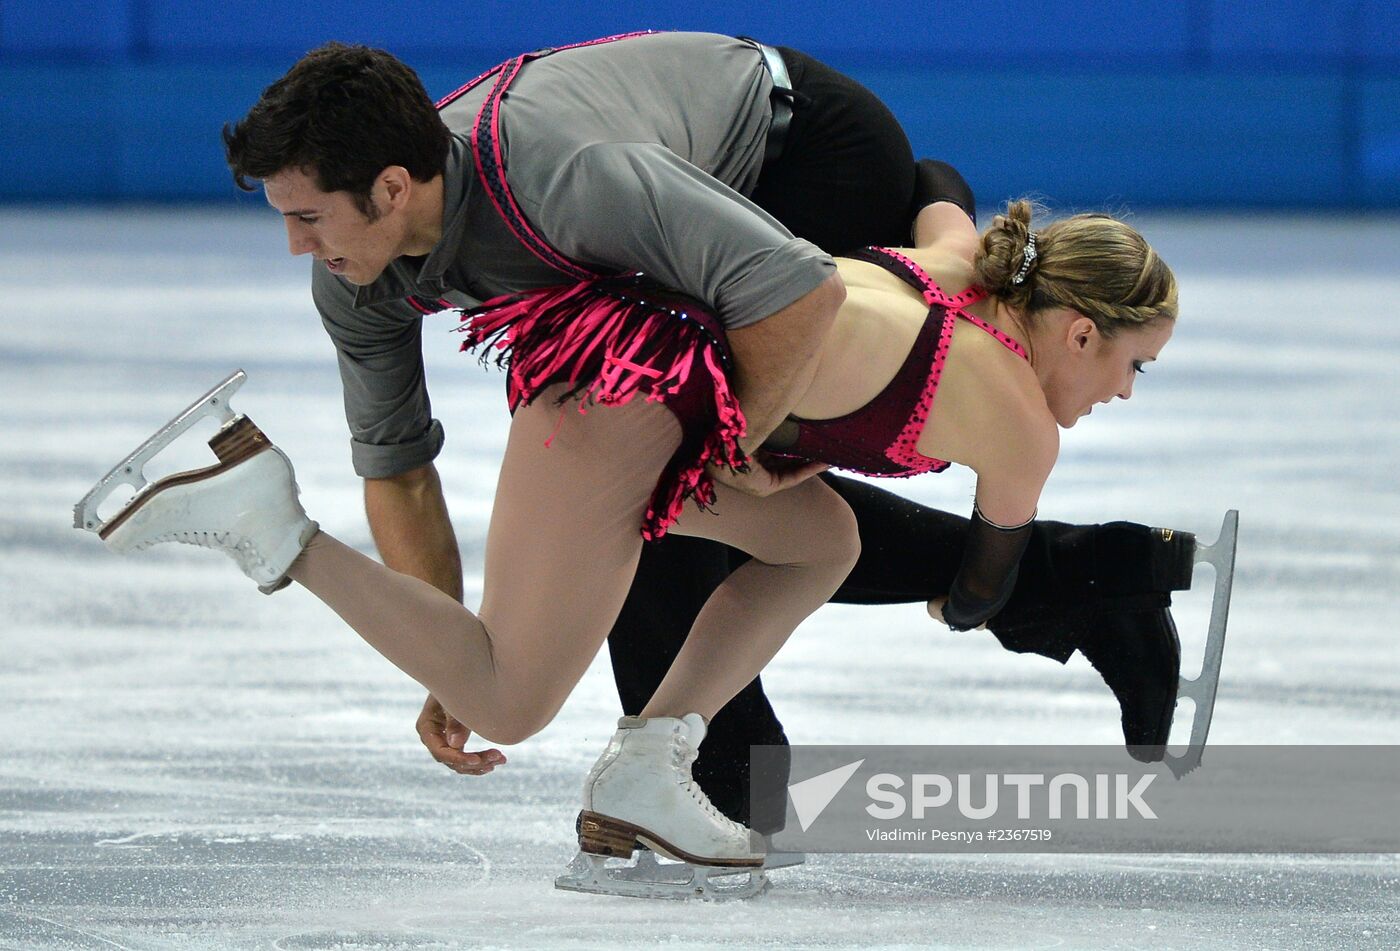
pixel 331 227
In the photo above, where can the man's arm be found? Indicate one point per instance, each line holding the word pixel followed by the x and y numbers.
pixel 411 528
pixel 409 521
pixel 776 358
pixel 393 442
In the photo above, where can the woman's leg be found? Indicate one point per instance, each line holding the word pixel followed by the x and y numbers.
pixel 803 541
pixel 560 554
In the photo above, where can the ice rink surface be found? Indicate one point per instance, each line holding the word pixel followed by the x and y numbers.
pixel 187 764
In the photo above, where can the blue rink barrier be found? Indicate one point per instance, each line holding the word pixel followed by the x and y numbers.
pixel 1294 103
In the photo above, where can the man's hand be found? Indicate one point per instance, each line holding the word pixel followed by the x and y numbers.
pixel 445 738
pixel 763 481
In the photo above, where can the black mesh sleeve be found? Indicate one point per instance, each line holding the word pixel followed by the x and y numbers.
pixel 987 575
pixel 939 181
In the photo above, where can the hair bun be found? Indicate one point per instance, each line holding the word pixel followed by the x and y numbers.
pixel 1092 264
pixel 1002 253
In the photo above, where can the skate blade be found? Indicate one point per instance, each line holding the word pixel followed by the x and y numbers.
pixel 649 862
pixel 131 470
pixel 651 878
pixel 776 860
pixel 1202 690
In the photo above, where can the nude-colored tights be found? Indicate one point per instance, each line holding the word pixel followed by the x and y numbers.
pixel 561 552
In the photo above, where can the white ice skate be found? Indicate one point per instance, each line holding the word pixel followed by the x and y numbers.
pixel 245 505
pixel 1202 690
pixel 641 792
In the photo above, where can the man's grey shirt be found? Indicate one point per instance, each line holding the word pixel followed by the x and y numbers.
pixel 632 155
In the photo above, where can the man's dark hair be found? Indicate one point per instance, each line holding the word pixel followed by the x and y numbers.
pixel 342 114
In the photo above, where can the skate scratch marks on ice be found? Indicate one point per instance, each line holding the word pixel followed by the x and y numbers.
pixel 131 840
pixel 87 934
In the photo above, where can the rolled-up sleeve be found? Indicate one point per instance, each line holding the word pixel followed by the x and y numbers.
pixel 642 207
pixel 380 353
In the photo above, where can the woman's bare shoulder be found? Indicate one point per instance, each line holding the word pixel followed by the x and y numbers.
pixel 1000 398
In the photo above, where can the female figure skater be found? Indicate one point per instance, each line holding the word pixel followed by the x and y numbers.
pixel 969 350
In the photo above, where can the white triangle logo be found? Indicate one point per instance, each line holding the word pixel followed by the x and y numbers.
pixel 811 796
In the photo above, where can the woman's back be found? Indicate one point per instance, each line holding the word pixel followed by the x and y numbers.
pixel 983 386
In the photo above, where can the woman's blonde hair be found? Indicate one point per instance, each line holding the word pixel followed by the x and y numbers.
pixel 1093 264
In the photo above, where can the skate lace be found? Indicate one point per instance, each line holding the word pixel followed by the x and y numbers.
pixel 242 550
pixel 683 756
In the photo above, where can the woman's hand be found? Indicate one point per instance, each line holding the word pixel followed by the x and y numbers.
pixel 445 738
pixel 763 481
pixel 935 609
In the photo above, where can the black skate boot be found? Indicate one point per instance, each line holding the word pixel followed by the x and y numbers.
pixel 1105 590
pixel 1138 654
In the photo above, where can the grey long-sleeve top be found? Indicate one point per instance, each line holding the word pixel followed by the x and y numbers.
pixel 633 155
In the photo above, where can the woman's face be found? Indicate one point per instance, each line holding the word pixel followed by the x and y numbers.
pixel 1089 368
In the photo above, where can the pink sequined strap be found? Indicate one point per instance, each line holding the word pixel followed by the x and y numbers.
pixel 490 168
pixel 467 87
pixel 937 297
pixel 485 141
pixel 1010 343
pixel 934 294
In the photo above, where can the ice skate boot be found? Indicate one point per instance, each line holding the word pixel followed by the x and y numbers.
pixel 641 792
pixel 1116 612
pixel 1138 654
pixel 245 505
pixel 751 796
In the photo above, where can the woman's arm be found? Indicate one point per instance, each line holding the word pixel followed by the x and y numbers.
pixel 1014 468
pixel 1015 462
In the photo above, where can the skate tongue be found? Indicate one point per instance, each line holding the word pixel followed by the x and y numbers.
pixel 695 728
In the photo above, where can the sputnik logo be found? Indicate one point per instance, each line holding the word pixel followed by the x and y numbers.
pixel 811 796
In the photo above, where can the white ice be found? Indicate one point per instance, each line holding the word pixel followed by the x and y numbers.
pixel 187 764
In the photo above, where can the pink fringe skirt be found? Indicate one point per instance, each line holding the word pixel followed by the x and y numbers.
pixel 613 339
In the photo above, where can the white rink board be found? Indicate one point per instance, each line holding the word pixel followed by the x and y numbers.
pixel 187 764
